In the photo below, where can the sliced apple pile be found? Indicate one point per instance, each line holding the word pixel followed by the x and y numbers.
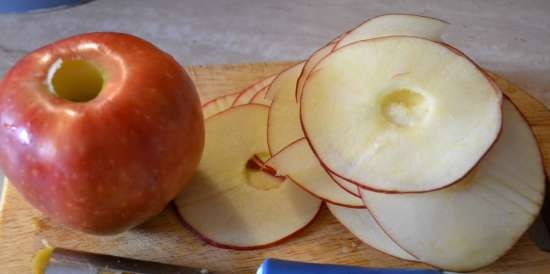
pixel 407 140
pixel 474 222
pixel 292 156
pixel 233 206
pixel 284 126
pixel 399 114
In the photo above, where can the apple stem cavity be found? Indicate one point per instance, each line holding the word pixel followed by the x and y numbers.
pixel 74 80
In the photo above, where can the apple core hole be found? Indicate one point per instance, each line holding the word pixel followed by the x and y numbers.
pixel 75 80
pixel 405 107
pixel 259 175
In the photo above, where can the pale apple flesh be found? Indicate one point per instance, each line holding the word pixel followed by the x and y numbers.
pixel 259 98
pixel 311 62
pixel 280 81
pixel 400 114
pixel 106 164
pixel 298 162
pixel 291 153
pixel 348 186
pixel 380 26
pixel 218 105
pixel 396 24
pixel 232 206
pixel 74 80
pixel 284 125
pixel 478 219
pixel 247 94
pixel 284 115
pixel 360 223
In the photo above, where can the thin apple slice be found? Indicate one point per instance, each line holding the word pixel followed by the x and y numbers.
pixel 247 94
pixel 380 26
pixel 259 98
pixel 360 223
pixel 400 114
pixel 474 222
pixel 218 105
pixel 232 206
pixel 311 62
pixel 396 24
pixel 284 115
pixel 298 163
pixel 281 81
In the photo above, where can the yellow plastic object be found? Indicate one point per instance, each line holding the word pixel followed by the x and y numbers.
pixel 40 260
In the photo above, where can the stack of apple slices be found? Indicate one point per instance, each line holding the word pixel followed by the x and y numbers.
pixel 408 141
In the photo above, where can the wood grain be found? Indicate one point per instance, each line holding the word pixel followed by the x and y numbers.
pixel 163 238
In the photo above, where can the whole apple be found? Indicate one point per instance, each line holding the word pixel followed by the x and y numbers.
pixel 99 131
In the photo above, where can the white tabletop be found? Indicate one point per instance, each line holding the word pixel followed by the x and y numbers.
pixel 511 38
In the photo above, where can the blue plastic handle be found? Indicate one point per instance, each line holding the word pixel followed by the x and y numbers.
pixel 274 266
pixel 19 6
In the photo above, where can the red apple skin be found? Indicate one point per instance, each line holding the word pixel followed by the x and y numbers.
pixel 109 164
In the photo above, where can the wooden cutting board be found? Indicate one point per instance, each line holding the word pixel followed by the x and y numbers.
pixel 163 239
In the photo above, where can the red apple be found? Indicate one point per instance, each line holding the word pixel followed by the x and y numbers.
pixel 99 131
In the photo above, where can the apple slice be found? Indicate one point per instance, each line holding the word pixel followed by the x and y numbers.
pixel 396 24
pixel 474 222
pixel 259 98
pixel 298 163
pixel 247 94
pixel 281 81
pixel 284 115
pixel 232 206
pixel 400 114
pixel 360 223
pixel 380 26
pixel 218 104
pixel 311 62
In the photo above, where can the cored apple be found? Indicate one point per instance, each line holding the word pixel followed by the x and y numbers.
pixel 400 114
pixel 230 203
pixel 475 221
pixel 99 131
